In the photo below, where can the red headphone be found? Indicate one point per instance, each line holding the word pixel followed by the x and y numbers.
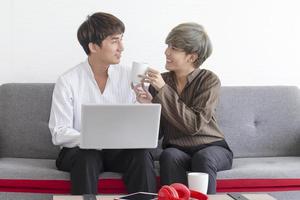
pixel 178 191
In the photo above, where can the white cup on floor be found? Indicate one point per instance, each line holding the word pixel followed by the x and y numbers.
pixel 198 181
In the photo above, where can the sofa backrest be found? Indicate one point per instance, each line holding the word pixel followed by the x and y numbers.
pixel 261 121
pixel 256 121
pixel 24 116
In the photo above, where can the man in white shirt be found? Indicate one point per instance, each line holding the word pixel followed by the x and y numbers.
pixel 97 80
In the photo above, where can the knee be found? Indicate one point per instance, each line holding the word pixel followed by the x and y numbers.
pixel 87 156
pixel 167 157
pixel 142 156
pixel 202 162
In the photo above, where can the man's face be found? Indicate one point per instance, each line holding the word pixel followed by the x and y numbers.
pixel 111 49
pixel 176 59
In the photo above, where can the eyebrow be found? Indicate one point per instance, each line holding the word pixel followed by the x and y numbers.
pixel 116 37
pixel 176 48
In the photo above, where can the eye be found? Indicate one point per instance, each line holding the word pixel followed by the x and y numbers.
pixel 173 48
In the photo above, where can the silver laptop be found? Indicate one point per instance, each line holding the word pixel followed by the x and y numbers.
pixel 119 126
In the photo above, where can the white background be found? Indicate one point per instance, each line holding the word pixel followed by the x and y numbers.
pixel 256 42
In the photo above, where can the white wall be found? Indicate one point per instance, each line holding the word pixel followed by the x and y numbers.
pixel 256 42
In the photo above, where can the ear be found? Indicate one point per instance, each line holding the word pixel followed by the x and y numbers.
pixel 193 57
pixel 93 47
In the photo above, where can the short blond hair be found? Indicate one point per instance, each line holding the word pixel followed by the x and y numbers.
pixel 192 38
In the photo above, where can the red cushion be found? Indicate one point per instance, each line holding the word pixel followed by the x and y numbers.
pixel 116 186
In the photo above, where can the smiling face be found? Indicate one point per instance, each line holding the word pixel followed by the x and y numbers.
pixel 110 50
pixel 192 40
pixel 177 60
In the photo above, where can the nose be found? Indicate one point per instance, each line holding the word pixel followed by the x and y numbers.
pixel 121 46
pixel 167 51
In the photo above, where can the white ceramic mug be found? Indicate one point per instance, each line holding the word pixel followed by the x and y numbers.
pixel 138 68
pixel 198 181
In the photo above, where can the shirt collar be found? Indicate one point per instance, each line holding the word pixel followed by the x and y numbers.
pixel 191 76
pixel 89 70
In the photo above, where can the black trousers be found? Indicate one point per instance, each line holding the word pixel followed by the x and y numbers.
pixel 175 163
pixel 85 165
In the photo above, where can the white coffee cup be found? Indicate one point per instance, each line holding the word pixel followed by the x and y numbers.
pixel 138 68
pixel 198 181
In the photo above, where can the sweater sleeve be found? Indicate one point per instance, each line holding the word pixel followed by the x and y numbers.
pixel 190 119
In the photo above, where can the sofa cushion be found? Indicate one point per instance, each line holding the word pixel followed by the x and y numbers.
pixel 253 174
pixel 24 116
pixel 41 175
pixel 261 121
pixel 261 174
pixel 263 168
pixel 21 168
pixel 41 169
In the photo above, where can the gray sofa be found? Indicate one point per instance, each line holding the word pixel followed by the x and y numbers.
pixel 261 125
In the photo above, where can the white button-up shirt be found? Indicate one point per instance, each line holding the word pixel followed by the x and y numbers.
pixel 78 86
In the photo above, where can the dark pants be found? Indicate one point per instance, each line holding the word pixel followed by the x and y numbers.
pixel 175 163
pixel 85 165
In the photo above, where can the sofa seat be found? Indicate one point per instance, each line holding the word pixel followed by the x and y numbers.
pixel 41 176
pixel 246 175
pixel 261 174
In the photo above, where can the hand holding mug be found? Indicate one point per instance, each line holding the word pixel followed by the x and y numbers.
pixel 141 92
pixel 154 78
